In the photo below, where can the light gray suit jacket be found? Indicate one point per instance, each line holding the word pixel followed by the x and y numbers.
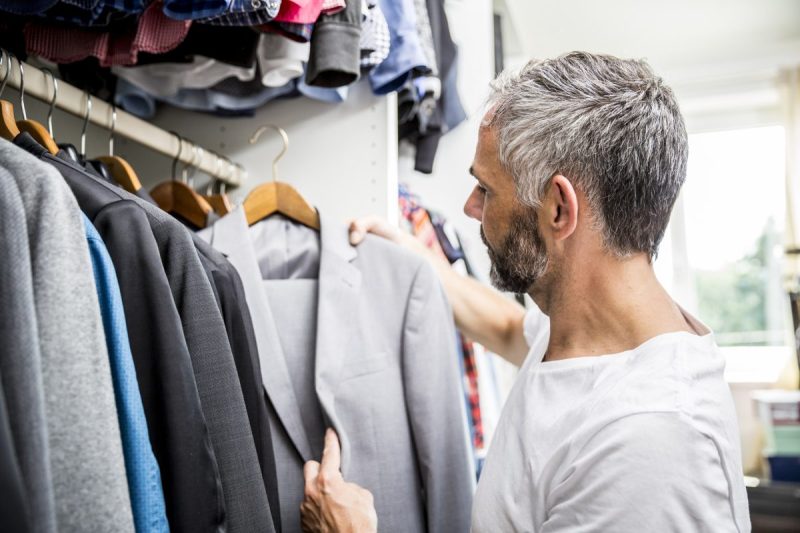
pixel 89 480
pixel 20 359
pixel 386 373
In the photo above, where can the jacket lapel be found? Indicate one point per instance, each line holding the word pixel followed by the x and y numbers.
pixel 338 335
pixel 230 236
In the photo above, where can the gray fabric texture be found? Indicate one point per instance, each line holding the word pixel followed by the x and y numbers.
pixel 20 359
pixel 386 372
pixel 246 502
pixel 212 363
pixel 89 480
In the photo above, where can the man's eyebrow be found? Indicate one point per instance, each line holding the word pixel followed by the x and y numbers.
pixel 475 175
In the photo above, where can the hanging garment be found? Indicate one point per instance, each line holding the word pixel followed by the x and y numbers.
pixel 379 366
pixel 88 469
pixel 144 476
pixel 26 451
pixel 422 226
pixel 375 41
pixel 245 503
pixel 14 504
pixel 177 428
pixel 335 58
pixel 406 56
pixel 445 111
pixel 230 298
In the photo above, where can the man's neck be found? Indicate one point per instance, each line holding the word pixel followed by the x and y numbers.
pixel 607 307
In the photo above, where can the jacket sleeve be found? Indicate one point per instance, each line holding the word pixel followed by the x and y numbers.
pixel 435 403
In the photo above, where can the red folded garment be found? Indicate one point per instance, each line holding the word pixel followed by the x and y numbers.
pixel 300 11
pixel 154 33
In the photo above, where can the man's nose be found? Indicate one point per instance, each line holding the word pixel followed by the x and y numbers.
pixel 473 207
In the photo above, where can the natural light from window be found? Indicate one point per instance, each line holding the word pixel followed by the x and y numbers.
pixel 724 257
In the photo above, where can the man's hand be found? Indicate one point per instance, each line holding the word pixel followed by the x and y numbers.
pixel 331 504
pixel 375 225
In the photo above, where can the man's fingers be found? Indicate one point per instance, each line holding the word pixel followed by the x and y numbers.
pixel 331 458
pixel 359 229
pixel 370 224
pixel 311 472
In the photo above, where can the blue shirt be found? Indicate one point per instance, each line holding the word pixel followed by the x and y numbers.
pixel 405 52
pixel 144 475
pixel 195 9
pixel 246 13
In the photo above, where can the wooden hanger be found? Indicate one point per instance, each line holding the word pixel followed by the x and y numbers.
pixel 219 201
pixel 8 124
pixel 34 128
pixel 121 171
pixel 177 198
pixel 278 197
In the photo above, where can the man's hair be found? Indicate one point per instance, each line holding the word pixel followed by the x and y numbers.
pixel 610 125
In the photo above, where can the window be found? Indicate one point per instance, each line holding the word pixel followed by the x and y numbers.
pixel 724 247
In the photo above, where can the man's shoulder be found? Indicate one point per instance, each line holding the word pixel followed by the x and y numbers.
pixel 676 374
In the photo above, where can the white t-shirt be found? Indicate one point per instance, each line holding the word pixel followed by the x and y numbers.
pixel 643 440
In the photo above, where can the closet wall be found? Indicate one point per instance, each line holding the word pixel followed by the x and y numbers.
pixel 448 187
pixel 341 157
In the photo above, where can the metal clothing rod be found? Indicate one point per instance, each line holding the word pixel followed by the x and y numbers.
pixel 73 100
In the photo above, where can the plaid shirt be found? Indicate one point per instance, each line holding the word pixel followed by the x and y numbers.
pixel 195 9
pixel 246 13
pixel 375 41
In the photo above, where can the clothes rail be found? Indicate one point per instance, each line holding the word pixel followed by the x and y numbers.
pixel 73 101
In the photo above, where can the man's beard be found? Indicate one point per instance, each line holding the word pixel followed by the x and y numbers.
pixel 521 259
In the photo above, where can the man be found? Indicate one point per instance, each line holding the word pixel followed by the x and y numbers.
pixel 620 419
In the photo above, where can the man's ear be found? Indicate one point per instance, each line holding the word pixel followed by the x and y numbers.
pixel 561 207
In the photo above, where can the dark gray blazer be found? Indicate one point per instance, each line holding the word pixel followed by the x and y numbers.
pixel 14 506
pixel 229 294
pixel 385 370
pixel 246 505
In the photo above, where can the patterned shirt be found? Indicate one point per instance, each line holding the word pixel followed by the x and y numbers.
pixel 246 13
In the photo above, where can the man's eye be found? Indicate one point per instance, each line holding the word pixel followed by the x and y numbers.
pixel 482 189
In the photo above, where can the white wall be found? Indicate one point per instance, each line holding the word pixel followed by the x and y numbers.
pixel 448 187
pixel 722 57
pixel 341 157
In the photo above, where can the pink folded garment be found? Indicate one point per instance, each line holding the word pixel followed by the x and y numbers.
pixel 300 11
pixel 155 33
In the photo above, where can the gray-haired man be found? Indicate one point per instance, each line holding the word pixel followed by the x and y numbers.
pixel 620 419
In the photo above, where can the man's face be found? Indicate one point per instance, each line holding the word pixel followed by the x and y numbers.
pixel 509 229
